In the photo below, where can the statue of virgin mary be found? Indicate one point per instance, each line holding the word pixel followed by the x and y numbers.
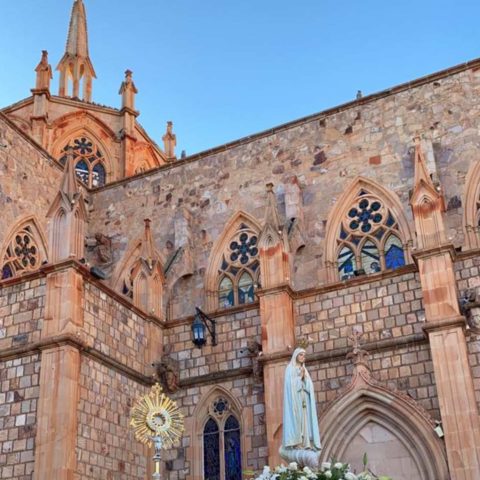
pixel 300 423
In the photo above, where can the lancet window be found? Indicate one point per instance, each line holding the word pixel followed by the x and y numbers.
pixel 222 456
pixel 239 270
pixel 89 161
pixel 369 239
pixel 22 254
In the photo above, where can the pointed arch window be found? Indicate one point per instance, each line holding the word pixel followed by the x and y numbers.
pixel 369 238
pixel 89 161
pixel 22 254
pixel 222 455
pixel 239 270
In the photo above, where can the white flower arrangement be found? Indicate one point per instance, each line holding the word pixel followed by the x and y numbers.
pixel 328 471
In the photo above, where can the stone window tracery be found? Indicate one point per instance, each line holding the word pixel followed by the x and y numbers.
pixel 239 270
pixel 222 443
pixel 89 161
pixel 22 254
pixel 369 238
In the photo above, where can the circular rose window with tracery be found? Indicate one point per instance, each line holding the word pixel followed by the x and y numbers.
pixel 22 254
pixel 239 270
pixel 88 159
pixel 369 239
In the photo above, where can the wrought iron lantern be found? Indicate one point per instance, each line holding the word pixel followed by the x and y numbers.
pixel 201 324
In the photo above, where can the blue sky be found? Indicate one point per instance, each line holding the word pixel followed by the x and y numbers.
pixel 224 69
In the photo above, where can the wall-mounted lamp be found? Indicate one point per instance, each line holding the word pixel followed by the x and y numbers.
pixel 200 324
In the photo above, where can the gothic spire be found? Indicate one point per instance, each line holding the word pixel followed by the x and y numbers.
pixel 75 63
pixel 77 40
pixel 421 170
pixel 44 73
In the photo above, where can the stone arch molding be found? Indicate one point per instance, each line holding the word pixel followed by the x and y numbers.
pixel 32 228
pixel 366 401
pixel 339 210
pixel 471 210
pixel 200 416
pixel 212 276
pixel 140 275
pixel 90 126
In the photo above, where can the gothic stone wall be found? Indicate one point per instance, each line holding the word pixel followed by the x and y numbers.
pixel 21 320
pixel 228 366
pixel 29 180
pixel 467 272
pixel 387 309
pixel 19 390
pixel 106 447
pixel 372 139
pixel 21 312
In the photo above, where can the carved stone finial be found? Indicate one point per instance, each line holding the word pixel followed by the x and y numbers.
pixel 359 356
pixel 169 141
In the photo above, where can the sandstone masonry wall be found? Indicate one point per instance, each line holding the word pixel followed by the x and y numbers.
pixel 21 312
pixel 19 391
pixel 467 273
pixel 372 139
pixel 105 442
pixel 28 181
pixel 114 329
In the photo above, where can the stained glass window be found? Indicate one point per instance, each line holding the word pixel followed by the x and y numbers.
pixel 239 270
pixel 346 263
pixel 22 254
pixel 7 272
pixel 394 256
pixel 89 161
pixel 225 293
pixel 245 289
pixel 233 456
pixel 370 257
pixel 211 451
pixel 365 239
pixel 222 435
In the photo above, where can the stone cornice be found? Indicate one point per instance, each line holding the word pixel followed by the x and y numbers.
pixel 41 91
pixel 279 288
pixel 353 282
pixel 341 353
pixel 444 324
pixel 217 313
pixel 434 251
pixel 85 272
pixel 78 343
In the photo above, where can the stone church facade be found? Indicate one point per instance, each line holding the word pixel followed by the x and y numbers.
pixel 355 229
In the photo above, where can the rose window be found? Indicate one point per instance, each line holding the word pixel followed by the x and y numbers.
pixel 22 254
pixel 369 239
pixel 239 270
pixel 89 161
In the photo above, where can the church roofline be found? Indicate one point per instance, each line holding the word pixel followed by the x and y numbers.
pixel 462 67
pixel 74 102
pixel 30 140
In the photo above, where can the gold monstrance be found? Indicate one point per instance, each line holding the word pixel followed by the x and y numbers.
pixel 157 421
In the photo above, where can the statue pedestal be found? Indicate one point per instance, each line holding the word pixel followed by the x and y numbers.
pixel 304 458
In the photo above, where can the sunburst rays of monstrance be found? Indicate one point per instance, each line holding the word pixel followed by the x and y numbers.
pixel 156 420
